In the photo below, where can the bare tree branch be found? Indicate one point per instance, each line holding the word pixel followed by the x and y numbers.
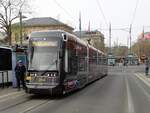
pixel 9 12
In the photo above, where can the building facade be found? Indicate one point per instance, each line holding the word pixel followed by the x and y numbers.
pixel 37 24
pixel 94 38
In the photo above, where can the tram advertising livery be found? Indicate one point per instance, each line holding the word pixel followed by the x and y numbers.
pixel 60 62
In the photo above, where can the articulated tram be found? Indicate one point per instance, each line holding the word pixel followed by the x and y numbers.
pixel 60 62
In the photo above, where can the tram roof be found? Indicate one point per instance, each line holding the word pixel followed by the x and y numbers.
pixel 57 33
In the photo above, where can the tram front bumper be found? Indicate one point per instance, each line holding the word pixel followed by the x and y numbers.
pixel 43 89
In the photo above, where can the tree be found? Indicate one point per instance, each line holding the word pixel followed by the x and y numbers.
pixel 142 47
pixel 9 11
pixel 120 50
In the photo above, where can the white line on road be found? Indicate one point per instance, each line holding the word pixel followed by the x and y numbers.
pixel 141 78
pixel 130 102
pixel 37 106
pixel 11 95
pixel 144 91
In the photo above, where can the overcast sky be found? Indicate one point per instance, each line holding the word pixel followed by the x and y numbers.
pixel 120 13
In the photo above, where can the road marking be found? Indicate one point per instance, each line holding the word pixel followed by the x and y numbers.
pixel 130 102
pixel 36 106
pixel 144 91
pixel 140 76
pixel 10 94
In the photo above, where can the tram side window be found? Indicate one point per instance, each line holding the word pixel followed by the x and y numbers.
pixel 104 61
pixel 95 57
pixel 72 58
pixel 82 57
pixel 99 59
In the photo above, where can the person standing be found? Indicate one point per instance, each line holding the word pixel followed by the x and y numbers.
pixel 20 70
pixel 147 67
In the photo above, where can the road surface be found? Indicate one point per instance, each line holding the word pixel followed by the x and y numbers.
pixel 124 90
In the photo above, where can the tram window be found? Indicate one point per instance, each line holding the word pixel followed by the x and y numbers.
pixel 95 57
pixel 90 56
pixel 99 59
pixel 104 61
pixel 82 57
pixel 72 58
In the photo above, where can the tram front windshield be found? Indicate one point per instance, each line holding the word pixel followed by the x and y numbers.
pixel 43 55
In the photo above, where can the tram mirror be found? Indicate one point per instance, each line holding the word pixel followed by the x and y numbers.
pixel 64 37
pixel 26 37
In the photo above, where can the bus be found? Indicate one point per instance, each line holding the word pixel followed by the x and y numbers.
pixel 59 62
pixel 5 65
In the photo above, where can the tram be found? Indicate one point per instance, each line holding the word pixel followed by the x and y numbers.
pixel 59 62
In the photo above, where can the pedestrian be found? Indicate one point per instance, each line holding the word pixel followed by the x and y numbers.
pixel 20 70
pixel 147 67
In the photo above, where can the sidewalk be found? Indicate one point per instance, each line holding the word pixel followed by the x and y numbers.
pixel 144 78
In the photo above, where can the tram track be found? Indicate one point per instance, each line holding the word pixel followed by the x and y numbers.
pixel 12 96
pixel 13 105
pixel 23 104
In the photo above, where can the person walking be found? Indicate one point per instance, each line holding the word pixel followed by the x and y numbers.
pixel 20 70
pixel 147 67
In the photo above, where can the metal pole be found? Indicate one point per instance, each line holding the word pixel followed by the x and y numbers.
pixel 80 24
pixel 110 38
pixel 20 13
pixel 130 36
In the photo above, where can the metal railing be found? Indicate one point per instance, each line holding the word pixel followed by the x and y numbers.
pixel 2 74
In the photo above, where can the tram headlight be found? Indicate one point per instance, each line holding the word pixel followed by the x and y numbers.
pixel 35 74
pixel 52 74
pixel 28 78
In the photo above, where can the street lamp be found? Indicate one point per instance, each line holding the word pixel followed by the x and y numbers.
pixel 21 17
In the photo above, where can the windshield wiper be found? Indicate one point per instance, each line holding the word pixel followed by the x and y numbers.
pixel 49 67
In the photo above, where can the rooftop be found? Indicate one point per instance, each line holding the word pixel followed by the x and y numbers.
pixel 42 21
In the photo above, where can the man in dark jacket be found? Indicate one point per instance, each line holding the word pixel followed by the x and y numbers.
pixel 20 70
pixel 147 67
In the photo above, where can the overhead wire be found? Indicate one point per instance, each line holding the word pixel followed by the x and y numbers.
pixel 135 11
pixel 60 6
pixel 101 10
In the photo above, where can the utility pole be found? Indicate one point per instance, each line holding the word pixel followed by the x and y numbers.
pixel 110 38
pixel 20 14
pixel 130 36
pixel 80 24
